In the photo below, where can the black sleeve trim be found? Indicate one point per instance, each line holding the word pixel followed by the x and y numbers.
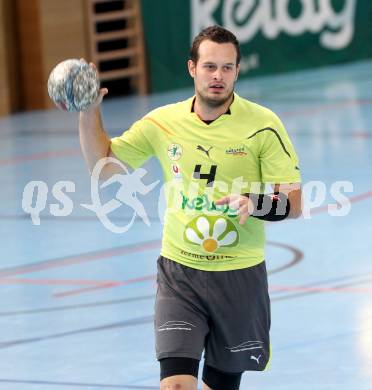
pixel 277 135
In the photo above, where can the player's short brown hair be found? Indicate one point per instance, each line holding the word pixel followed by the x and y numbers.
pixel 216 34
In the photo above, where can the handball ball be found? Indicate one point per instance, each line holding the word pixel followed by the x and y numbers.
pixel 73 85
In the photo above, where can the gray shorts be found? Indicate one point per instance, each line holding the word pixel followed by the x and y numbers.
pixel 224 313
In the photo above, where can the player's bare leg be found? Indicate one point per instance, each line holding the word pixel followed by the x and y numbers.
pixel 179 382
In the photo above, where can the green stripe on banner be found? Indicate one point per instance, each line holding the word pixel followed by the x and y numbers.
pixel 275 35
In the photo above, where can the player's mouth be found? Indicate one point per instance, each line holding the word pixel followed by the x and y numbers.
pixel 216 87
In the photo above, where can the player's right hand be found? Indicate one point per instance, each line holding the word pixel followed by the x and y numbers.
pixel 242 204
pixel 102 91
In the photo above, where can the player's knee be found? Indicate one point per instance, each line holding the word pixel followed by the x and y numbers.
pixel 179 382
pixel 169 384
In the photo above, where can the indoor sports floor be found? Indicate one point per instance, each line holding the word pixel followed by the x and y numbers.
pixel 77 300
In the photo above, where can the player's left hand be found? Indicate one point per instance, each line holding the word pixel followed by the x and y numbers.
pixel 241 203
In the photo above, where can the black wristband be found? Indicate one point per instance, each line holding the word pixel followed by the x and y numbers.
pixel 270 207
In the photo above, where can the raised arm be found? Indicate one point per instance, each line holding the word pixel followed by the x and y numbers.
pixel 94 141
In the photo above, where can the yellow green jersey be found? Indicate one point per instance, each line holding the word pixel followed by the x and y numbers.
pixel 239 152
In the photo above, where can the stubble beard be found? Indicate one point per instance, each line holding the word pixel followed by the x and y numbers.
pixel 215 102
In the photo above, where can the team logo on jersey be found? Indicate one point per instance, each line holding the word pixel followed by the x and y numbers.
pixel 174 151
pixel 202 149
pixel 211 232
pixel 239 151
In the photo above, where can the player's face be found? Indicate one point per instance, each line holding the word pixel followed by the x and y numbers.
pixel 215 72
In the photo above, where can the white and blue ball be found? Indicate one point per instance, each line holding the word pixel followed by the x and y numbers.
pixel 73 85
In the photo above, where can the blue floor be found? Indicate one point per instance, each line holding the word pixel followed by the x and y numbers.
pixel 77 300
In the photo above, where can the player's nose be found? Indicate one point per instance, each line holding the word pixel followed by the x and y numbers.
pixel 217 75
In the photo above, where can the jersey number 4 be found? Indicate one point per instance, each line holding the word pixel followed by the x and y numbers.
pixel 205 176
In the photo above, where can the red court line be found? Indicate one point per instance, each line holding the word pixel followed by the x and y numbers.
pixel 54 282
pixel 81 258
pixel 40 156
pixel 84 290
pixel 352 199
pixel 108 285
pixel 319 289
pixel 94 284
pixel 362 134
pixel 326 107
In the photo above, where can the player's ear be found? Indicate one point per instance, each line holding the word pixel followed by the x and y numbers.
pixel 191 67
pixel 237 71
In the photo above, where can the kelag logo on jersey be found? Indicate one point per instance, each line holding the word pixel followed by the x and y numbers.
pixel 203 203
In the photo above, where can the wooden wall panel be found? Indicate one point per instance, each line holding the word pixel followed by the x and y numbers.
pixel 4 88
pixel 50 31
pixel 8 59
pixel 30 49
pixel 64 36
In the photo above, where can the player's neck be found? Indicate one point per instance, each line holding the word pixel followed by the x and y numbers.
pixel 209 113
